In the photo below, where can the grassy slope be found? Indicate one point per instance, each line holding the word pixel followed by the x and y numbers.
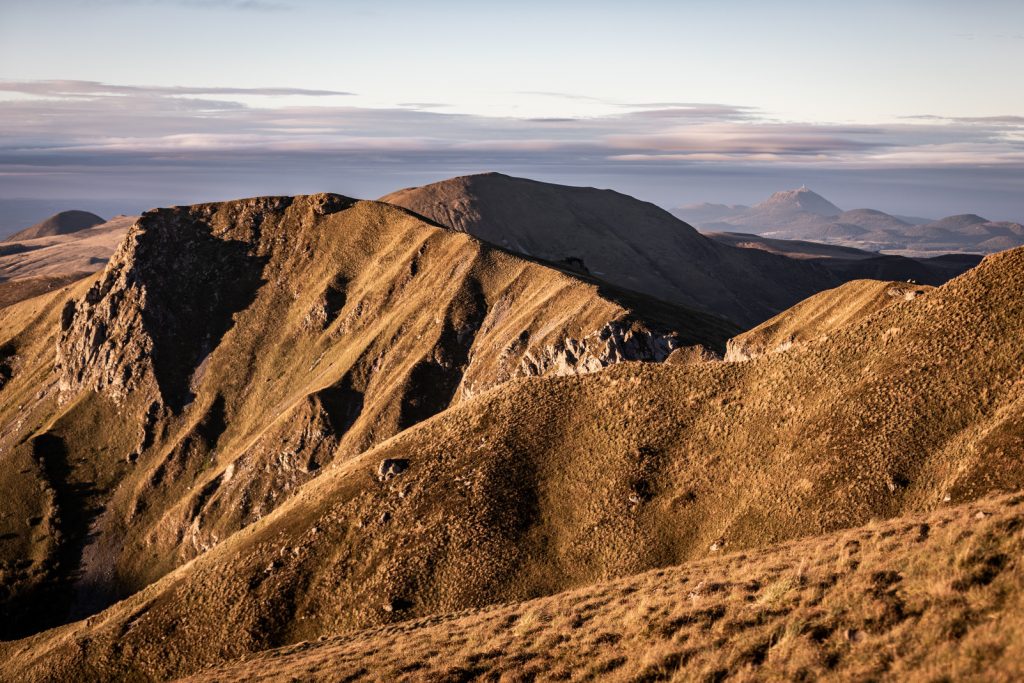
pixel 556 483
pixel 821 314
pixel 926 597
pixel 304 330
pixel 641 247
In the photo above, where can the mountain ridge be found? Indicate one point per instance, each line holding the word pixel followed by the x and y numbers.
pixel 334 324
pixel 632 244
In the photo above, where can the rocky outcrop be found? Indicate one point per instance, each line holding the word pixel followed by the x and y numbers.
pixel 617 341
pixel 162 304
pixel 737 350
pixel 103 343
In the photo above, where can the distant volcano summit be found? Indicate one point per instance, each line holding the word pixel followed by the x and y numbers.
pixel 802 199
pixel 805 215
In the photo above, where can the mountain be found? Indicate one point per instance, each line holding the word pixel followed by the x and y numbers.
pixel 229 353
pixel 798 201
pixel 913 599
pixel 959 222
pixel 845 264
pixel 870 219
pixel 626 242
pixel 806 216
pixel 523 489
pixel 62 223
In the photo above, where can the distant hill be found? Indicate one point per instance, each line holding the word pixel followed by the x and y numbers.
pixel 31 266
pixel 805 215
pixel 849 263
pixel 61 223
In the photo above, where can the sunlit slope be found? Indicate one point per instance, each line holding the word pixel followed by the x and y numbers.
pixel 549 484
pixel 821 315
pixel 925 597
pixel 230 352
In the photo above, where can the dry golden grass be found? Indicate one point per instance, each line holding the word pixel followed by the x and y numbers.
pixel 228 355
pixel 551 484
pixel 928 597
pixel 13 291
pixel 820 315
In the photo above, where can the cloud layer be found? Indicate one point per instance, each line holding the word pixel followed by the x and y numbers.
pixel 58 130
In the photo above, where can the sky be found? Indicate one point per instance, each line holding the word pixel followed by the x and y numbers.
pixel 912 106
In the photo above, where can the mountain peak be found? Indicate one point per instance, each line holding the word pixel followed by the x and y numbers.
pixel 802 199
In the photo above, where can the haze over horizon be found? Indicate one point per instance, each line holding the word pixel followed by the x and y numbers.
pixel 179 101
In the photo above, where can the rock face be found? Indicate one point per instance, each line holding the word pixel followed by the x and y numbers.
pixel 163 304
pixel 616 342
pixel 241 349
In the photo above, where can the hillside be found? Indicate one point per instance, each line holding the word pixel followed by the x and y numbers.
pixel 797 249
pixel 551 484
pixel 619 239
pixel 923 598
pixel 230 352
pixel 845 264
pixel 638 246
pixel 63 223
pixel 820 315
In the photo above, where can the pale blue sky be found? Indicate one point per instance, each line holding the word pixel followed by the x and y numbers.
pixel 837 94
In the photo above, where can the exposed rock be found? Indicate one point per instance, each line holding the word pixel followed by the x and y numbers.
pixel 391 467
pixel 617 341
pixel 162 304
